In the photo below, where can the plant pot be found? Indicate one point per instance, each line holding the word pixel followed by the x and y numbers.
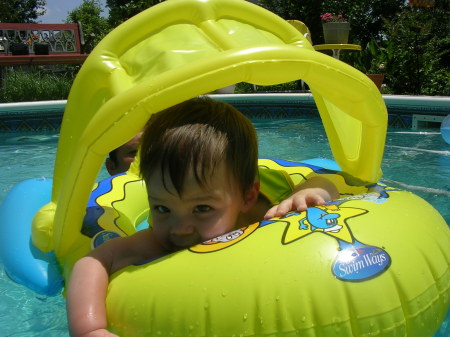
pixel 336 32
pixel 18 48
pixel 3 45
pixel 377 79
pixel 41 48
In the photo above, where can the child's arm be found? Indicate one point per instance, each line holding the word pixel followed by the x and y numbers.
pixel 315 191
pixel 86 292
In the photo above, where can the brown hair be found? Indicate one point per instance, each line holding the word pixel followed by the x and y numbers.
pixel 199 134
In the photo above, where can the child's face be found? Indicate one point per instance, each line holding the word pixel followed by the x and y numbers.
pixel 200 213
pixel 125 155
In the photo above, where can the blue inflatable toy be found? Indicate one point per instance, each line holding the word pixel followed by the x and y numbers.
pixel 445 129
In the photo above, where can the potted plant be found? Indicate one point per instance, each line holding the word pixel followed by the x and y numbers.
pixel 372 61
pixel 40 47
pixel 335 28
pixel 377 79
pixel 18 48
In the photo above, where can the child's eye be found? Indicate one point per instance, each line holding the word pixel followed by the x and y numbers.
pixel 161 209
pixel 202 209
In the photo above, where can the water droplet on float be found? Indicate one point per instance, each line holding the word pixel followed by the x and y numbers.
pixel 245 316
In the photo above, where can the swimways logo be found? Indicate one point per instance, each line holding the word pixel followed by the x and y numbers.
pixel 355 261
pixel 358 262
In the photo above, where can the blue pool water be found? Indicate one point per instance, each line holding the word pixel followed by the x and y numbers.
pixel 416 161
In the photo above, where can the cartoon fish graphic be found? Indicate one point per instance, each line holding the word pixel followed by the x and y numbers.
pixel 319 219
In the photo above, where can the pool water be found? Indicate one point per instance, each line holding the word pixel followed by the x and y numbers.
pixel 416 161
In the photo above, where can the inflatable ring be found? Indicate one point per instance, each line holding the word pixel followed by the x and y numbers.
pixel 381 269
pixel 306 273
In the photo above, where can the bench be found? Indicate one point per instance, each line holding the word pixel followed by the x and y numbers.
pixel 65 43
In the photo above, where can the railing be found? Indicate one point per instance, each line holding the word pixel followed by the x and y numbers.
pixel 65 43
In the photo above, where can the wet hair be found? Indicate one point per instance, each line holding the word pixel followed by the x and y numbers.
pixel 198 135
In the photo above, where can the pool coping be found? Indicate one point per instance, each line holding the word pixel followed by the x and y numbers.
pixel 44 116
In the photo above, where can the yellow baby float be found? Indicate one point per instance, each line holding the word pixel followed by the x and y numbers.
pixel 374 263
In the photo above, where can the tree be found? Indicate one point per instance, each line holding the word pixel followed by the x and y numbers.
pixel 95 27
pixel 418 51
pixel 413 44
pixel 21 11
pixel 365 16
pixel 122 10
pixel 307 11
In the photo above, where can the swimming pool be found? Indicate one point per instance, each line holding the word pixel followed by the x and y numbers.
pixel 416 161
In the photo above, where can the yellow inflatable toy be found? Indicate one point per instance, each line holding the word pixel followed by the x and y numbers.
pixel 374 263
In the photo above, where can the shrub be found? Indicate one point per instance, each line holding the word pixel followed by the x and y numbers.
pixel 418 52
pixel 34 84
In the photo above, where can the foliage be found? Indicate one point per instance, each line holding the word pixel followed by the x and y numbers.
pixel 415 53
pixel 410 45
pixel 307 11
pixel 294 86
pixel 418 52
pixel 122 10
pixel 372 59
pixel 34 85
pixel 21 11
pixel 95 27
pixel 366 16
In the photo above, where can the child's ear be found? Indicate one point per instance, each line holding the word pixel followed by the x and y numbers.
pixel 251 196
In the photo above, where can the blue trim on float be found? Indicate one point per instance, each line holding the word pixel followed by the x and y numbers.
pixel 318 165
pixel 323 163
pixel 103 187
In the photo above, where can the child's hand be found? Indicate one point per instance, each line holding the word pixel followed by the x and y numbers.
pixel 298 201
pixel 316 191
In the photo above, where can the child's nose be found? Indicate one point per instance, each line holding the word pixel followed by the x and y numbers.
pixel 182 226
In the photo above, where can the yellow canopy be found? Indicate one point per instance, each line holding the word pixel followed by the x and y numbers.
pixel 180 49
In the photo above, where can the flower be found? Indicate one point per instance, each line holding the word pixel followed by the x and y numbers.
pixel 328 17
pixel 34 38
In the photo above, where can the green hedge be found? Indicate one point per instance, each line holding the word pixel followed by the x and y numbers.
pixel 34 84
